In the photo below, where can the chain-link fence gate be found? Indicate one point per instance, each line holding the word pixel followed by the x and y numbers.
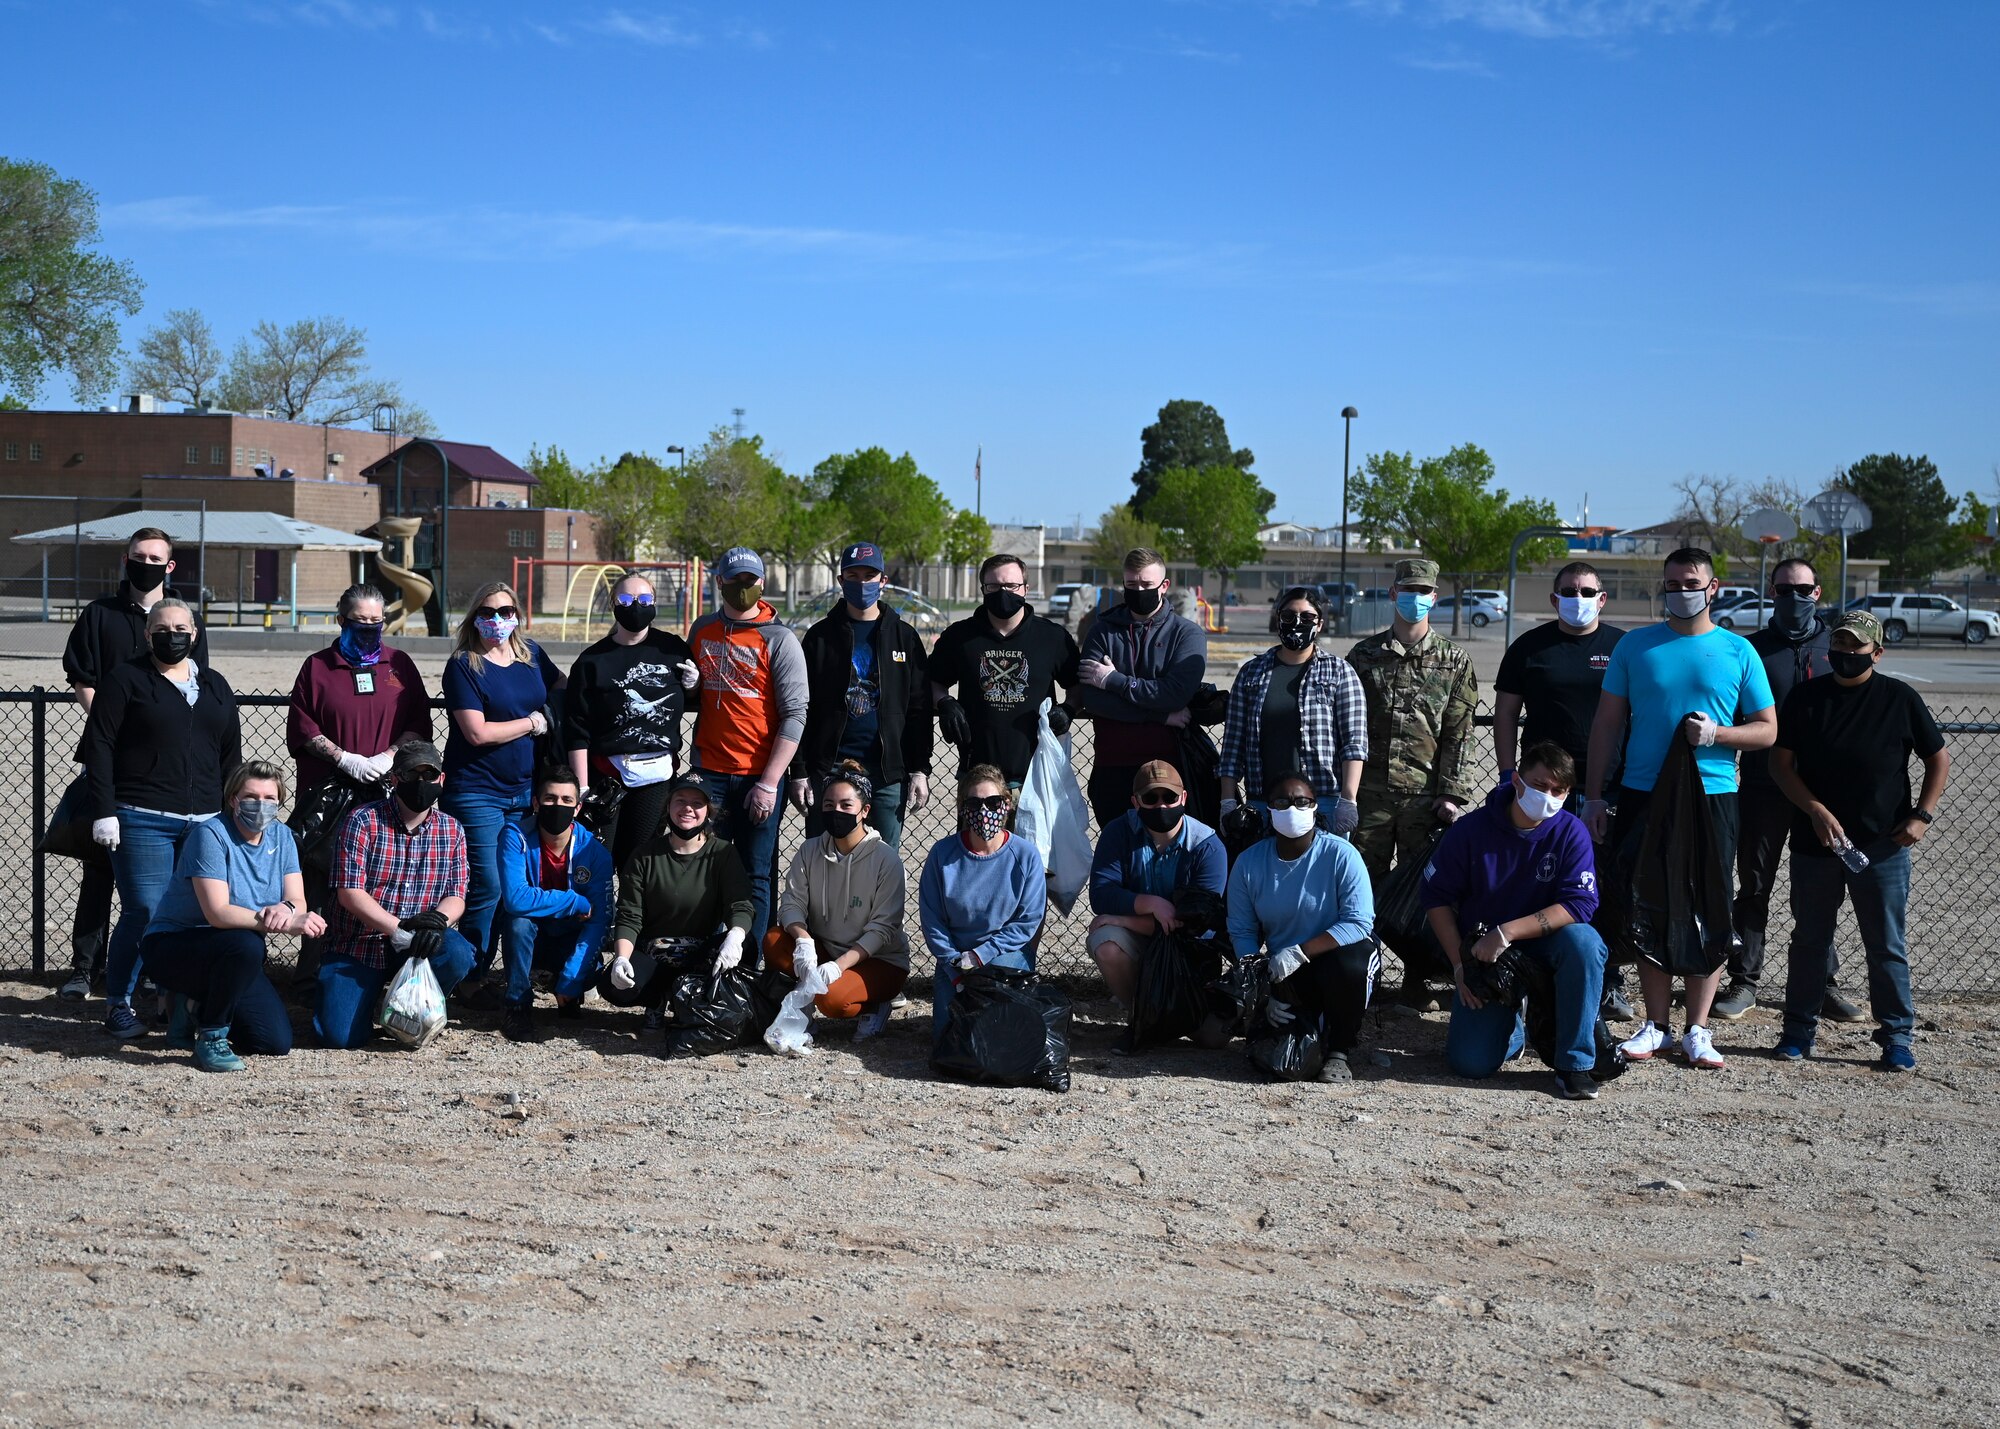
pixel 1954 906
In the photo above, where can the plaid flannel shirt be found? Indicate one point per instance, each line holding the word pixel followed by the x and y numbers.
pixel 406 872
pixel 1333 723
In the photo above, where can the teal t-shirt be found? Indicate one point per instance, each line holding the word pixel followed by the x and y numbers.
pixel 1666 677
pixel 216 848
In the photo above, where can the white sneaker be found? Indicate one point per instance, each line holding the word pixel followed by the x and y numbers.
pixel 1700 1051
pixel 871 1022
pixel 1641 1045
pixel 76 989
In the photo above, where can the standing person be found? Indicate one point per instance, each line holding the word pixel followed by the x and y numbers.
pixel 751 717
pixel 622 714
pixel 1140 666
pixel 1152 852
pixel 162 738
pixel 1298 709
pixel 555 885
pixel 108 632
pixel 868 699
pixel 237 882
pixel 1681 679
pixel 1843 760
pixel 497 686
pixel 352 704
pixel 1794 649
pixel 1302 896
pixel 1004 660
pixel 983 893
pixel 1556 672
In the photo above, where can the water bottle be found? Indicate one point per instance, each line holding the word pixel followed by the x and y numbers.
pixel 1853 857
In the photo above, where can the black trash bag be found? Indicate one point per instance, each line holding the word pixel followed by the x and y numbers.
pixel 654 967
pixel 1235 1000
pixel 1500 983
pixel 1201 914
pixel 1167 1002
pixel 1679 916
pixel 68 833
pixel 1288 1053
pixel 1209 705
pixel 315 819
pixel 1539 1014
pixel 1243 828
pixel 710 1012
pixel 767 995
pixel 1005 1028
pixel 599 810
pixel 1400 922
pixel 1201 763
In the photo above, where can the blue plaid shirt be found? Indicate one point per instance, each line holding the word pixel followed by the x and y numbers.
pixel 1333 723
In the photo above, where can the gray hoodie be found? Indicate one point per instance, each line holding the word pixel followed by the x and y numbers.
pixel 848 900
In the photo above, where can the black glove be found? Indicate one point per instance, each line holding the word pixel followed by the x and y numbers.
pixel 429 921
pixel 426 942
pixel 953 724
pixel 1060 720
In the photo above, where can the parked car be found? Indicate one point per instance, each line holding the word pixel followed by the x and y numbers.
pixel 1476 611
pixel 1495 598
pixel 1058 605
pixel 1744 615
pixel 926 618
pixel 1904 617
pixel 1726 603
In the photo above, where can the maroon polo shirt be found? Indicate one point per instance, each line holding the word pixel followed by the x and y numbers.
pixel 327 700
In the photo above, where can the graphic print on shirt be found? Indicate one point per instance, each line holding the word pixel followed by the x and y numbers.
pixel 1003 677
pixel 645 717
pixel 730 669
pixel 863 689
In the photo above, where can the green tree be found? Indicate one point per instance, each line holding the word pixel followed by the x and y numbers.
pixel 59 301
pixel 1119 530
pixel 810 527
pixel 1188 436
pixel 1448 507
pixel 563 484
pixel 636 502
pixel 899 506
pixel 314 370
pixel 968 539
pixel 1210 517
pixel 1971 541
pixel 1912 512
pixel 178 360
pixel 729 496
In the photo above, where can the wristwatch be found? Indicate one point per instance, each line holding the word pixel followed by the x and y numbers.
pixel 1925 814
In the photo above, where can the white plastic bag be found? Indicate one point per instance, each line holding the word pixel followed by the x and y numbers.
pixel 788 1035
pixel 1054 817
pixel 412 1009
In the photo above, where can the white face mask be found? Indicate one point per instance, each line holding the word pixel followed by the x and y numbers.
pixel 1292 823
pixel 1577 609
pixel 1536 804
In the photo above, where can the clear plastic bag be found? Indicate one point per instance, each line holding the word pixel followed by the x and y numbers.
pixel 1054 817
pixel 789 1034
pixel 412 1009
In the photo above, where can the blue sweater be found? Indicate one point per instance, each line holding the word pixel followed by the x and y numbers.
pixel 1492 872
pixel 989 905
pixel 521 891
pixel 1274 904
pixel 1122 867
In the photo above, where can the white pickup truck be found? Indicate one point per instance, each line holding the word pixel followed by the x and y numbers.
pixel 1904 617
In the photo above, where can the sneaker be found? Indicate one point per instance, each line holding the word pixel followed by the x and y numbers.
pixel 1700 1051
pixel 1641 1045
pixel 1577 1086
pixel 1793 1049
pixel 872 1020
pixel 180 1024
pixel 1835 1007
pixel 517 1024
pixel 899 1000
pixel 1336 1068
pixel 569 1011
pixel 1897 1059
pixel 1737 999
pixel 1615 1007
pixel 76 988
pixel 122 1022
pixel 212 1052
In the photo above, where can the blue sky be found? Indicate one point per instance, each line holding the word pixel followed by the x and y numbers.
pixel 1613 241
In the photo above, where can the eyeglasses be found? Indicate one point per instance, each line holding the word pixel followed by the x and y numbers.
pixel 1297 801
pixel 496 612
pixel 1160 798
pixel 1794 589
pixel 1018 587
pixel 628 599
pixel 1578 592
pixel 990 801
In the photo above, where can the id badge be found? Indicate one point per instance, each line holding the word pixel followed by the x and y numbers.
pixel 364 682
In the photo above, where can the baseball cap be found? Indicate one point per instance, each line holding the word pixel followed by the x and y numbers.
pixel 1861 625
pixel 739 561
pixel 862 553
pixel 415 754
pixel 1157 774
pixel 1417 572
pixel 689 782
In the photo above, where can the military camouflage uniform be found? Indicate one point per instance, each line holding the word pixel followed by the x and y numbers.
pixel 1421 699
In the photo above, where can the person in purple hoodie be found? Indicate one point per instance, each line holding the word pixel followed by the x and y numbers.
pixel 1522 868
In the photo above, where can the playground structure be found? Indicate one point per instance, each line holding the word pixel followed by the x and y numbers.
pixel 414 588
pixel 587 590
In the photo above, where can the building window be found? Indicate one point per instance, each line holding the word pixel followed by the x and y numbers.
pixel 239 456
pixel 194 456
pixel 218 455
pixel 34 451
pixel 13 451
pixel 556 541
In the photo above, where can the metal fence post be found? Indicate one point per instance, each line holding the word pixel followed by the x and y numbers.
pixel 40 899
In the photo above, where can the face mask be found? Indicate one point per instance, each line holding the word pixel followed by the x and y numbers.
pixel 144 575
pixel 689 835
pixel 256 815
pixel 840 822
pixel 1536 804
pixel 1577 610
pixel 498 629
pixel 1293 823
pixel 1142 603
pixel 170 647
pixel 555 819
pixel 1687 604
pixel 1849 663
pixel 1414 606
pixel 1160 817
pixel 982 822
pixel 360 644
pixel 1004 604
pixel 418 795
pixel 743 597
pixel 862 595
pixel 634 616
pixel 1793 614
pixel 1297 634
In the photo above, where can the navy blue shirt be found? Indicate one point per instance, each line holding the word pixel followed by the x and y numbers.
pixel 864 697
pixel 500 692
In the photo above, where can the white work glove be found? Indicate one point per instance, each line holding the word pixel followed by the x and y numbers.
pixel 805 954
pixel 1228 808
pixel 1700 730
pixel 760 802
pixel 378 765
pixel 401 939
pixel 538 723
pixel 690 674
pixel 1346 815
pixel 919 792
pixel 356 767
pixel 967 962
pixel 622 976
pixel 105 831
pixel 732 951
pixel 1278 1014
pixel 1095 672
pixel 820 977
pixel 1286 961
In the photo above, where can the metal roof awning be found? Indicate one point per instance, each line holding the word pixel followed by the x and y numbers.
pixel 248 530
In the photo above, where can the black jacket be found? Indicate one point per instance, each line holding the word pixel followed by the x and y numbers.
pixel 1788 663
pixel 112 630
pixel 903 704
pixel 144 744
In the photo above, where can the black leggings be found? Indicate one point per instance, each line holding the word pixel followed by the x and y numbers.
pixel 1335 985
pixel 641 815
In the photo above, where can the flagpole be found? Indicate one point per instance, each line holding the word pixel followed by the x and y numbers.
pixel 978 484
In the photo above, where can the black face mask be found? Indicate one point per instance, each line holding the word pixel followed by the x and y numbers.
pixel 840 822
pixel 1849 663
pixel 170 647
pixel 1296 635
pixel 1161 817
pixel 555 819
pixel 1004 604
pixel 144 575
pixel 418 795
pixel 1142 603
pixel 634 616
pixel 674 830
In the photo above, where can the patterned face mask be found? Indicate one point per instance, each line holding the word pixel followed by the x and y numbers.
pixel 982 822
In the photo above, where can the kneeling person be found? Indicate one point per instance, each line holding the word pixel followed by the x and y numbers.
pixel 555 883
pixel 1521 868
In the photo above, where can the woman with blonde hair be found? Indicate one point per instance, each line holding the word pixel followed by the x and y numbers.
pixel 983 893
pixel 497 686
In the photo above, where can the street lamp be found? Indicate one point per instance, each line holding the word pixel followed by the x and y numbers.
pixel 682 452
pixel 1347 416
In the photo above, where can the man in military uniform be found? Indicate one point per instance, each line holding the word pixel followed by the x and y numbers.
pixel 1421 695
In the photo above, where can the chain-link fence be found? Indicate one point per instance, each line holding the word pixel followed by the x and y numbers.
pixel 1954 919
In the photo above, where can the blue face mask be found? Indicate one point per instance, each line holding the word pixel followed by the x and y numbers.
pixel 862 595
pixel 361 644
pixel 1413 606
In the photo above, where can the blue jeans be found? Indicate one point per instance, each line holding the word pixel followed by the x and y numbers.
pixel 756 845
pixel 1479 1041
pixel 885 815
pixel 579 967
pixel 485 816
pixel 946 983
pixel 350 991
pixel 143 866
pixel 221 970
pixel 1881 895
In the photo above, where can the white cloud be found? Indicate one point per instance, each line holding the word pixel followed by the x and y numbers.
pixel 1597 20
pixel 661 30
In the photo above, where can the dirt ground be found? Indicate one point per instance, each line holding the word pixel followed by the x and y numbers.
pixel 368 1238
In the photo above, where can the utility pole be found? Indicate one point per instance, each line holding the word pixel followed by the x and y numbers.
pixel 739 422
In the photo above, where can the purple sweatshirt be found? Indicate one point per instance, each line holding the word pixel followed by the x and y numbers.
pixel 1492 872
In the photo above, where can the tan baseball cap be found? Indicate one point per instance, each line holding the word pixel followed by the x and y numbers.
pixel 1157 774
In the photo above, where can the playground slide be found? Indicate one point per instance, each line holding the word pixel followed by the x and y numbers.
pixel 415 588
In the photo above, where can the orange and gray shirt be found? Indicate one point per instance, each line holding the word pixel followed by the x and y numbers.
pixel 753 690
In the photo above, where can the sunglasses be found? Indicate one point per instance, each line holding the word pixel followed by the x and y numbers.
pixel 1297 801
pixel 1159 798
pixel 629 599
pixel 496 612
pixel 990 801
pixel 1793 589
pixel 1578 592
